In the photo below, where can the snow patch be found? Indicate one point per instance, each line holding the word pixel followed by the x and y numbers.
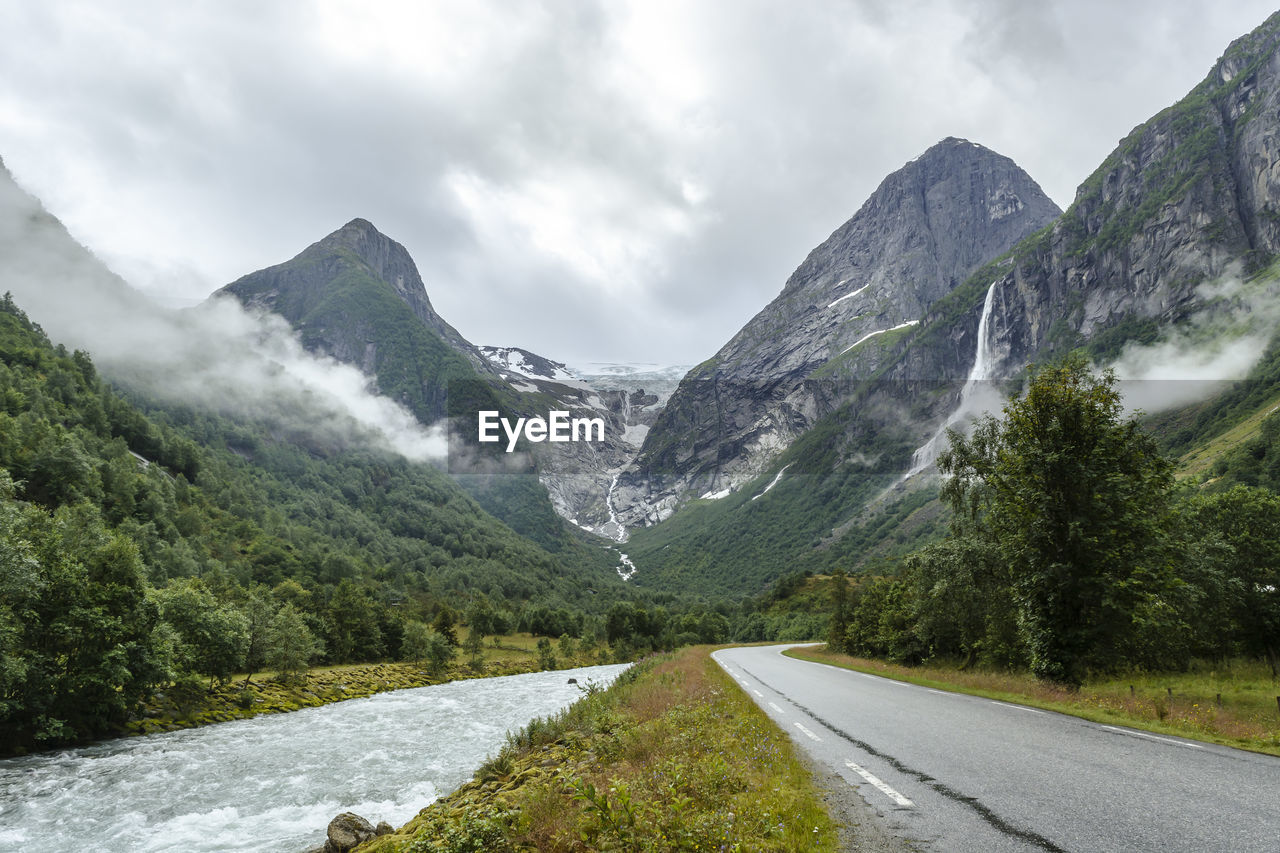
pixel 715 496
pixel 871 335
pixel 527 364
pixel 848 295
pixel 634 434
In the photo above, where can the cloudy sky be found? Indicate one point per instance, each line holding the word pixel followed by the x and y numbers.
pixel 595 181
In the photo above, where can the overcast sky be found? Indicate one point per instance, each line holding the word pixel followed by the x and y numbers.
pixel 595 181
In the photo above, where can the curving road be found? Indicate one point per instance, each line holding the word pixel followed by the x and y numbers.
pixel 956 772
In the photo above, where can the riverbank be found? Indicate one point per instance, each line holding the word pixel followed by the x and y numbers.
pixel 263 693
pixel 673 756
pixel 1235 705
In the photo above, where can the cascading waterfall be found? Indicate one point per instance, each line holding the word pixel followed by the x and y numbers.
pixel 983 367
pixel 619 532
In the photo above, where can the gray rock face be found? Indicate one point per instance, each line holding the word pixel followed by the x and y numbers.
pixel 1188 198
pixel 579 476
pixel 923 231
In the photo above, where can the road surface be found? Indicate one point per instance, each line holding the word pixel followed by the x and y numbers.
pixel 954 772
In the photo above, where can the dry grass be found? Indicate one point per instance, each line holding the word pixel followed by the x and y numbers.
pixel 1233 705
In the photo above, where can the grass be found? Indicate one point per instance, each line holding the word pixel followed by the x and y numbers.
pixel 1234 705
pixel 243 697
pixel 1199 462
pixel 671 757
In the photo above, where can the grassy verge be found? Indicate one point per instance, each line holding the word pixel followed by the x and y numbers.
pixel 1235 705
pixel 671 757
pixel 265 694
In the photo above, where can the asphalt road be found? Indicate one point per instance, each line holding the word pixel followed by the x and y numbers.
pixel 955 772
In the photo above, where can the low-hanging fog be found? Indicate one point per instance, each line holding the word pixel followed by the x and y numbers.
pixel 217 355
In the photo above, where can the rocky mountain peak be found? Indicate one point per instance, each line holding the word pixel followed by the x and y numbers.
pixel 920 234
pixel 387 259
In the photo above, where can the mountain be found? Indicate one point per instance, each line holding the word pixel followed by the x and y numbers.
pixel 1169 243
pixel 527 364
pixel 357 296
pixel 923 231
pixel 580 477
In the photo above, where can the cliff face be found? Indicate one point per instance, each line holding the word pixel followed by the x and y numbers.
pixel 924 230
pixel 1188 197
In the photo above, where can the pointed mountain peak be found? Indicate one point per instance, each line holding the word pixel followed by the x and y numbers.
pixel 389 260
pixel 355 253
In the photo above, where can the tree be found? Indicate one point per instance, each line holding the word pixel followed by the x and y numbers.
pixel 214 636
pixel 1073 497
pixel 289 645
pixel 839 611
pixel 76 654
pixel 446 625
pixel 474 647
pixel 259 615
pixel 546 657
pixel 354 633
pixel 962 602
pixel 421 643
pixel 1247 522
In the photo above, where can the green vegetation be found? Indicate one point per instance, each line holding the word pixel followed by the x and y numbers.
pixel 1072 554
pixel 179 705
pixel 671 757
pixel 1064 502
pixel 147 548
pixel 1230 702
pixel 740 545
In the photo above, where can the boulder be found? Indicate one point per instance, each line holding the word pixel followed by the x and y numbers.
pixel 347 831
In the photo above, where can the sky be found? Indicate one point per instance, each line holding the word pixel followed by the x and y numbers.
pixel 594 181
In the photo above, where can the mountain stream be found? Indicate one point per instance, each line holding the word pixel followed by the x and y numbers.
pixel 274 782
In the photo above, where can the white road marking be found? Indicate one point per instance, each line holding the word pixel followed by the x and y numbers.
pixel 879 783
pixel 776 708
pixel 757 692
pixel 808 733
pixel 1154 737
pixel 939 692
pixel 1018 707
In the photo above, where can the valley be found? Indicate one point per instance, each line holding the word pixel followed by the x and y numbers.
pixel 971 430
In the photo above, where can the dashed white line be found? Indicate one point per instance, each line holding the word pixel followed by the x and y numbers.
pixel 776 708
pixel 757 692
pixel 939 692
pixel 879 783
pixel 810 735
pixel 1132 733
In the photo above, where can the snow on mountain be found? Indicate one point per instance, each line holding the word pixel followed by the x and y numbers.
pixel 528 364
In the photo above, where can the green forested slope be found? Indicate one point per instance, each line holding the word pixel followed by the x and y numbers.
pixel 140 547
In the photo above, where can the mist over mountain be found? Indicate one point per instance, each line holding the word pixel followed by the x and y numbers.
pixel 217 356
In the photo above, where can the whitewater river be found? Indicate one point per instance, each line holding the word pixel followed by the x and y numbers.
pixel 273 783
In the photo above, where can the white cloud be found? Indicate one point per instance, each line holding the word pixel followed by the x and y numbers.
pixel 646 172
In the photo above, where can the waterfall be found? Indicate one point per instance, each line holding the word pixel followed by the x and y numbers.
pixel 619 531
pixel 982 370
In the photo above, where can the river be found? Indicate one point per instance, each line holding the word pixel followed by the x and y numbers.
pixel 273 783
